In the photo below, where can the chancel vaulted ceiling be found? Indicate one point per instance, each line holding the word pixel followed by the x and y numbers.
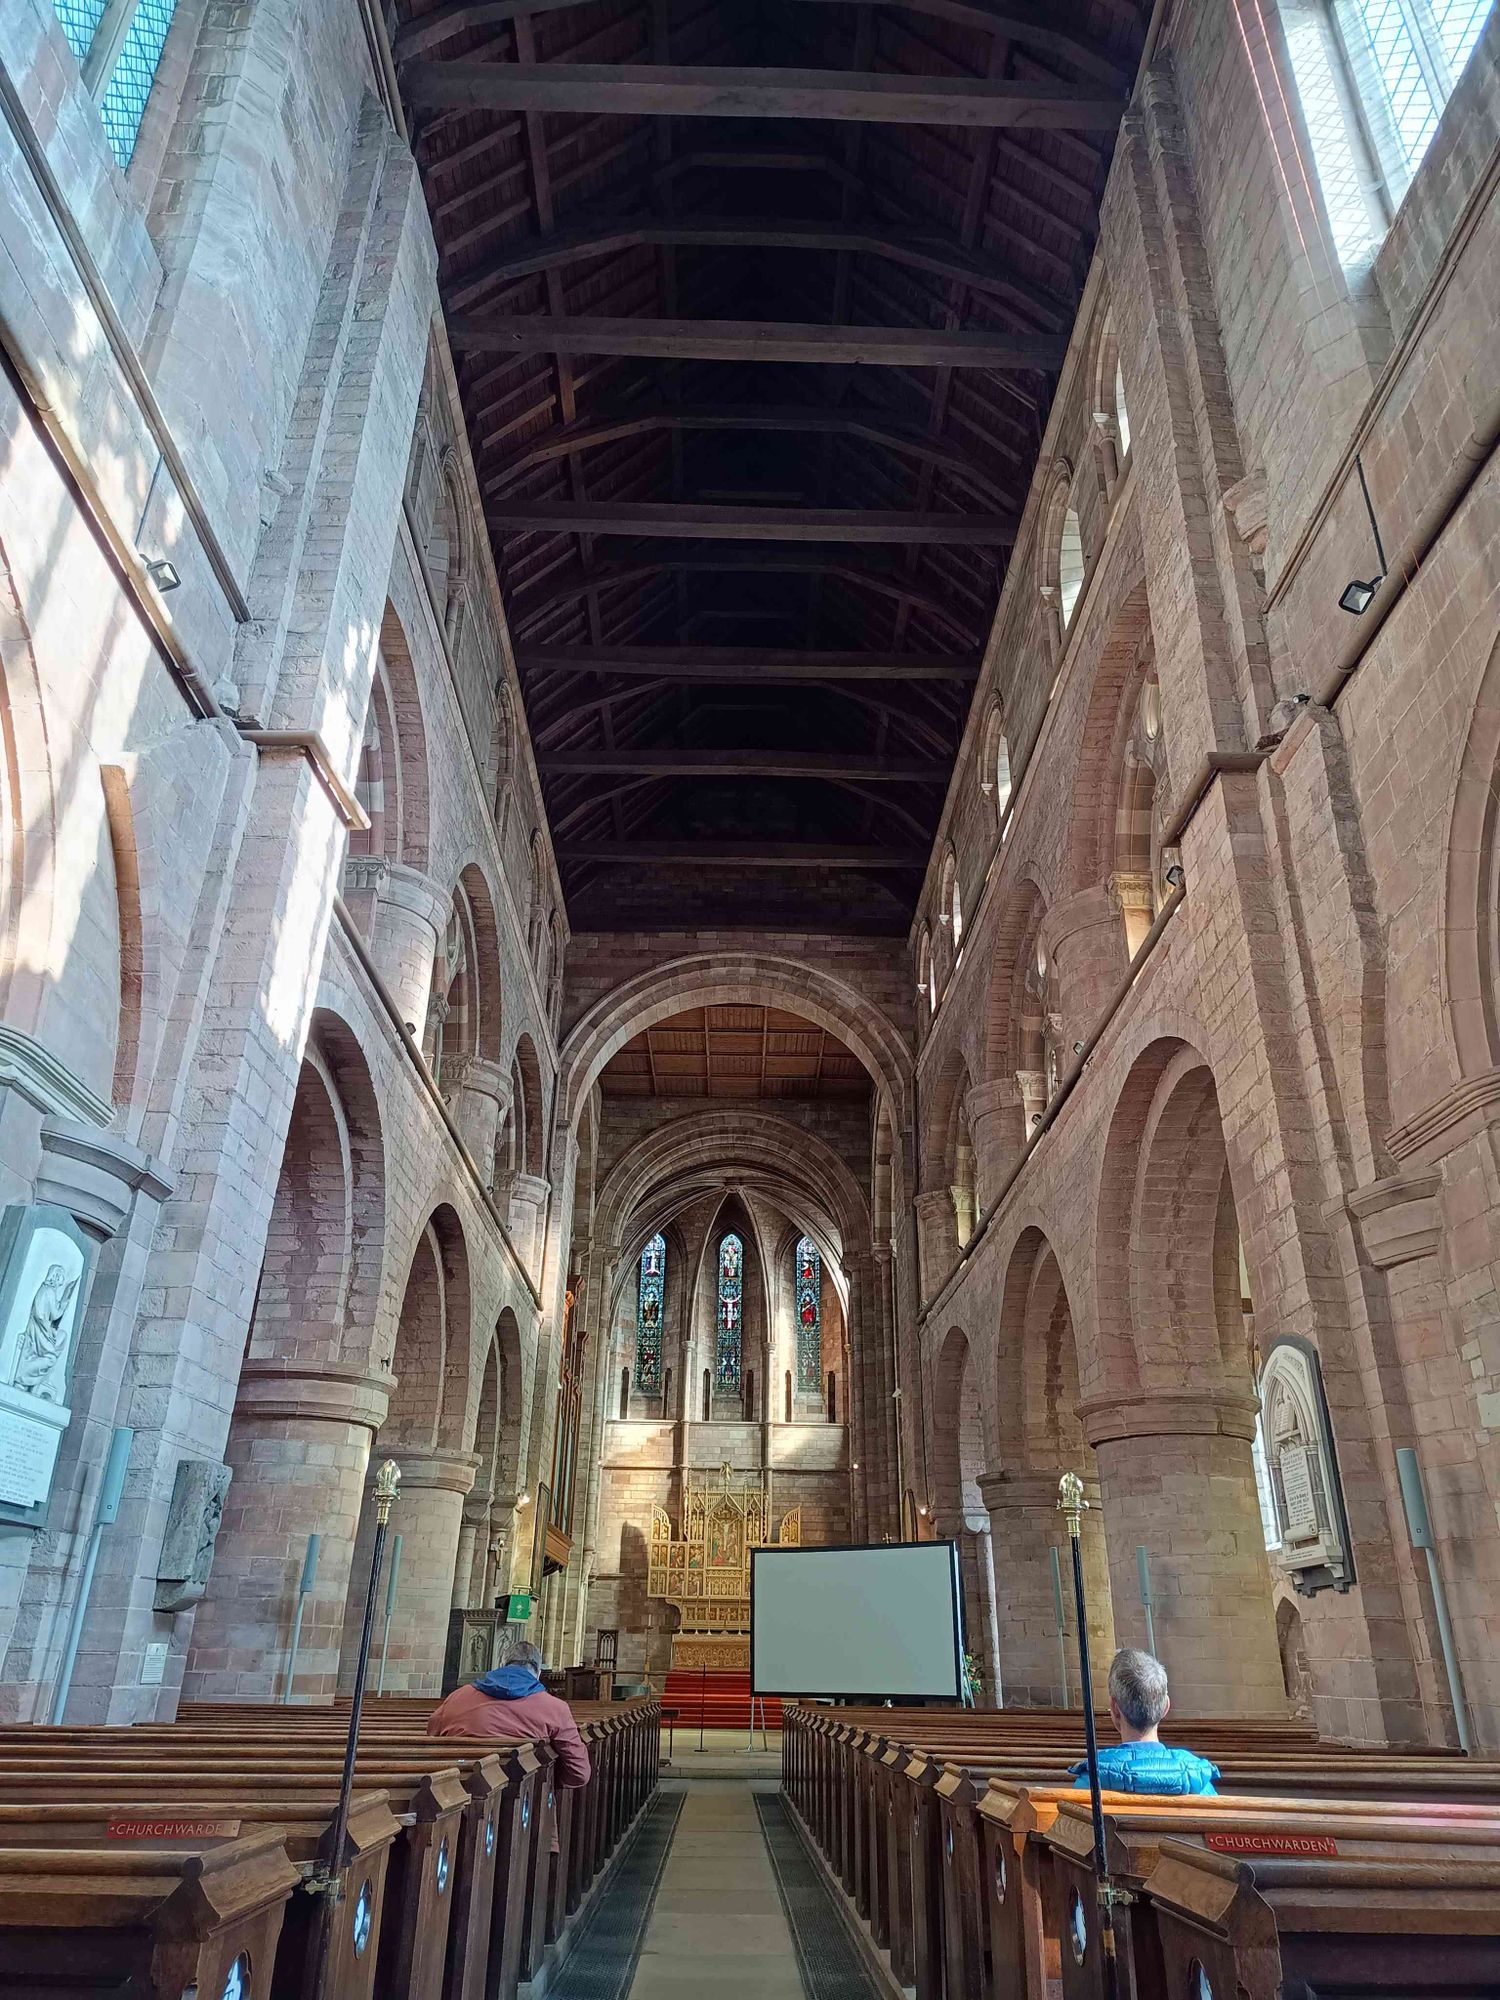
pixel 757 311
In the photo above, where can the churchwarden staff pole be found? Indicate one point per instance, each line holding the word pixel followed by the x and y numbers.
pixel 386 1481
pixel 1072 1506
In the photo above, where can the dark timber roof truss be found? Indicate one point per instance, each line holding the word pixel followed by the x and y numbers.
pixel 758 308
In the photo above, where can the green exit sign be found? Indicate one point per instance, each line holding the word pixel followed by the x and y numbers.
pixel 518 1607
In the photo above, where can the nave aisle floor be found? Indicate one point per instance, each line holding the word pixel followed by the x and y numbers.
pixel 734 1908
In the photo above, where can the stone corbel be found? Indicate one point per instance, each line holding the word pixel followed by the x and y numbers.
pixel 96 1175
pixel 1399 1219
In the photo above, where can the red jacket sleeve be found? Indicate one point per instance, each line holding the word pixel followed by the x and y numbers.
pixel 573 1768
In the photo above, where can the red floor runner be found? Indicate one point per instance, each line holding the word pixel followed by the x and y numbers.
pixel 718 1700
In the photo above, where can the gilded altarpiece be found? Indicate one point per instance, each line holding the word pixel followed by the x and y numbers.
pixel 704 1573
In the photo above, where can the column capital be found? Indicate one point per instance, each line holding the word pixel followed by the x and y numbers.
pixel 332 1392
pixel 430 1467
pixel 407 888
pixel 1110 1419
pixel 1033 1493
pixel 530 1187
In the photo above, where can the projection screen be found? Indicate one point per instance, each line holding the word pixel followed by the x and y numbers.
pixel 877 1621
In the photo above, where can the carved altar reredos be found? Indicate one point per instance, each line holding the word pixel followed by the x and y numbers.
pixel 705 1573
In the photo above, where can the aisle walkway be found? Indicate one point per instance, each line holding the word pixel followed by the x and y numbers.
pixel 716 1897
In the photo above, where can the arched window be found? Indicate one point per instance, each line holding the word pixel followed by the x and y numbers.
pixel 119 49
pixel 956 913
pixel 809 1314
pixel 731 1320
pixel 994 763
pixel 708 1396
pixel 926 996
pixel 624 1392
pixel 1069 564
pixel 1122 413
pixel 650 1297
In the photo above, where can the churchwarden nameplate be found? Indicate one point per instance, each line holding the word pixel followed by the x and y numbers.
pixel 44 1265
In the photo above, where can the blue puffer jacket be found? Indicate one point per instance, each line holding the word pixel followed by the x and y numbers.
pixel 1151 1767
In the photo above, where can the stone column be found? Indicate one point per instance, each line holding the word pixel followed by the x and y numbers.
pixel 937 1238
pixel 428 1516
pixel 299 1449
pixel 994 1113
pixel 1177 1478
pixel 1025 1527
pixel 479 1095
pixel 410 917
pixel 527 1219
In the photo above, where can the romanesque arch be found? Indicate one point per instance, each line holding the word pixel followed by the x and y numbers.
pixel 724 979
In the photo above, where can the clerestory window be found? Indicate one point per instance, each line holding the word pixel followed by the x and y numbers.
pixel 1373 77
pixel 118 44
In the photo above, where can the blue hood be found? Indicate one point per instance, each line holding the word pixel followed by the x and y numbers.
pixel 1159 1768
pixel 509 1683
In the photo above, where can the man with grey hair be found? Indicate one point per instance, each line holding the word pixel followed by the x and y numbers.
pixel 1141 1762
pixel 510 1701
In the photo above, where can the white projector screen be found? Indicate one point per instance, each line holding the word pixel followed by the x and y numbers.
pixel 876 1621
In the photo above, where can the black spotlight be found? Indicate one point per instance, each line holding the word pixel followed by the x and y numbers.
pixel 1357 597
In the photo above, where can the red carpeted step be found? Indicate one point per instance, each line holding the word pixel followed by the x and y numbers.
pixel 716 1700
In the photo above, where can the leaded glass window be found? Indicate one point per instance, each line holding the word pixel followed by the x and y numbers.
pixel 649 1301
pixel 809 1314
pixel 79 21
pixel 118 45
pixel 731 1321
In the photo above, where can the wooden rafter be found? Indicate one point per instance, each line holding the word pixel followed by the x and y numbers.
pixel 740 664
pixel 748 524
pixel 752 340
pixel 662 90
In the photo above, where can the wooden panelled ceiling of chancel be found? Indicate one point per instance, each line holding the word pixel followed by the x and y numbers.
pixel 752 522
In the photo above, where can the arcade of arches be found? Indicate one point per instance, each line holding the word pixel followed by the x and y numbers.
pixel 693 917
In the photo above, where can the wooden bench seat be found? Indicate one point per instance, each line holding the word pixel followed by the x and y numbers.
pixel 1389 1906
pixel 82 1921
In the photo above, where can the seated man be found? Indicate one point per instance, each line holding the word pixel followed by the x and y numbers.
pixel 1141 1762
pixel 510 1701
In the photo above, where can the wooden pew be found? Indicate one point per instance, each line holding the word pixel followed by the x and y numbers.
pixel 88 1920
pixel 1367 1902
pixel 900 1826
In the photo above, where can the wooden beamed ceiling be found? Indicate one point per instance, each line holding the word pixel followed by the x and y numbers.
pixel 757 307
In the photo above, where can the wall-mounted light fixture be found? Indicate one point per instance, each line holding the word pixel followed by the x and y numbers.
pixel 1358 594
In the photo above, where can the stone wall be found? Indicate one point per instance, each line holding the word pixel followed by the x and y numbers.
pixel 1299 1068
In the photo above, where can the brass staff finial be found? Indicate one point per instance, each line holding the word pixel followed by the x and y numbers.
pixel 1070 1501
pixel 386 1481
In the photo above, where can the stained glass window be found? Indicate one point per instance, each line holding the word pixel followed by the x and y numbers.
pixel 731 1312
pixel 124 102
pixel 809 1314
pixel 648 1317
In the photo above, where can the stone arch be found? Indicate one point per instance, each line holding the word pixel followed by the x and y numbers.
pixel 487 1025
pixel 1061 566
pixel 378 780
pixel 528 1111
pixel 962 1434
pixel 725 979
pixel 431 1355
pixel 1015 931
pixel 1470 968
pixel 1110 406
pixel 130 935
pixel 302 1295
pixel 1123 664
pixel 409 732
pixel 449 549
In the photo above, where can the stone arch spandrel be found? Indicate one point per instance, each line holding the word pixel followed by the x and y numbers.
pixel 729 979
pixel 1470 965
